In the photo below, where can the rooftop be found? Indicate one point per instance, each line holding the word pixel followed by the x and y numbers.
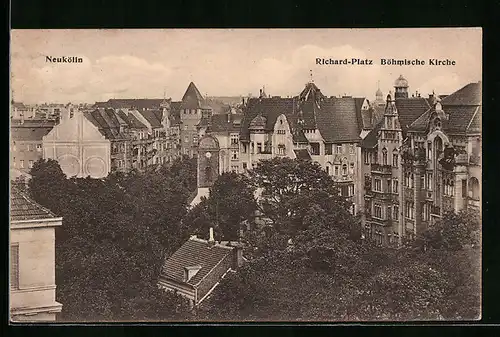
pixel 23 208
pixel 194 252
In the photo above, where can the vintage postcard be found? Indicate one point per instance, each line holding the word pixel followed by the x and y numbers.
pixel 230 175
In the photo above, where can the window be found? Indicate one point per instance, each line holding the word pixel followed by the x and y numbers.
pixel 21 163
pixel 281 132
pixel 339 148
pixel 429 181
pixel 327 169
pixel 464 185
pixel 429 151
pixel 244 166
pixel 259 147
pixel 396 213
pixel 186 139
pixel 395 186
pixel 30 164
pixel 281 149
pixel 389 213
pixel 336 170
pixel 234 168
pixel 14 266
pixel 351 190
pixel 351 168
pixel 328 149
pixel 234 154
pixel 384 156
pixel 185 127
pixel 377 185
pixel 344 191
pixel 351 149
pixel 377 211
pixel 14 162
pixel 395 159
pixel 409 210
pixel 39 147
pixel 30 147
pixel 315 149
pixel 344 169
pixel 234 139
pixel 412 177
pixel 367 157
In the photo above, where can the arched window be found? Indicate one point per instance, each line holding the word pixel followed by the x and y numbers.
pixel 395 158
pixel 384 156
pixel 474 188
pixel 344 169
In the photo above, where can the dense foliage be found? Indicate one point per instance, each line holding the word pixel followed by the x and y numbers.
pixel 309 264
pixel 115 235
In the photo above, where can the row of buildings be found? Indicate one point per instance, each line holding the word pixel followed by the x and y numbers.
pixel 402 161
pixel 117 135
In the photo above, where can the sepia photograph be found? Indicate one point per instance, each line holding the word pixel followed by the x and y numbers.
pixel 245 175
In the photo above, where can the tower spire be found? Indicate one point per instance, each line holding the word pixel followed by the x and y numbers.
pixel 311 75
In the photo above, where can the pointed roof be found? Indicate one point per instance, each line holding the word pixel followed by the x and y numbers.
pixel 192 98
pixel 468 95
pixel 24 208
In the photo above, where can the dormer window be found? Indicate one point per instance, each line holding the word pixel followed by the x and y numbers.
pixel 190 272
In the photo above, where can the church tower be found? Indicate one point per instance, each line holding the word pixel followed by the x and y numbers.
pixel 379 97
pixel 401 87
pixel 208 167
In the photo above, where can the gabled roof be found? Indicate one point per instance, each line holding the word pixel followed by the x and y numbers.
pixel 30 131
pixel 193 99
pixel 23 208
pixel 194 252
pixel 302 154
pixel 468 95
pixel 339 120
pixel 225 122
pixel 152 117
pixel 131 103
pixel 409 109
pixel 371 139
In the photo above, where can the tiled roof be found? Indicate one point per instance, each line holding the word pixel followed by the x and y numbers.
pixel 358 103
pixel 371 139
pixel 409 109
pixel 476 123
pixel 220 123
pixel 338 120
pixel 193 99
pixel 468 95
pixel 131 103
pixel 271 108
pixel 23 208
pixel 194 252
pixel 135 123
pixel 29 132
pixel 302 154
pixel 152 117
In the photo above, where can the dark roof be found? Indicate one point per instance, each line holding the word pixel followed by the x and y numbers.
pixel 23 208
pixel 131 103
pixel 371 139
pixel 29 132
pixel 463 108
pixel 468 95
pixel 193 99
pixel 302 154
pixel 152 117
pixel 225 122
pixel 194 252
pixel 409 109
pixel 338 120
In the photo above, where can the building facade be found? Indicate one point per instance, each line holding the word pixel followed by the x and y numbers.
pixel 26 142
pixel 78 146
pixel 421 159
pixel 32 260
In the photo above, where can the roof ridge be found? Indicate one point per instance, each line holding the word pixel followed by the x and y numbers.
pixel 34 203
pixel 472 118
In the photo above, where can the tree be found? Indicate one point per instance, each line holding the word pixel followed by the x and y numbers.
pixel 230 203
pixel 115 236
pixel 289 188
pixel 47 183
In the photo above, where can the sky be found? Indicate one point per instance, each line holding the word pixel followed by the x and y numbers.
pixel 234 62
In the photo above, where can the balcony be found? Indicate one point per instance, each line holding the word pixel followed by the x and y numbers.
pixel 382 169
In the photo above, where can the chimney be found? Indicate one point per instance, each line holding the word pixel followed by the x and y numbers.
pixel 237 254
pixel 211 238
